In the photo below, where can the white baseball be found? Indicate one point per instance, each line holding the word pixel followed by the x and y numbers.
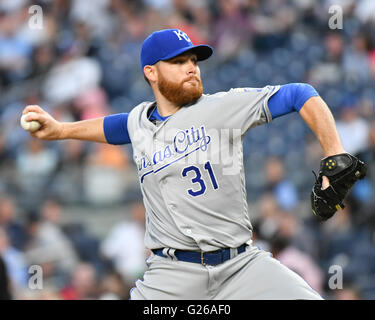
pixel 31 126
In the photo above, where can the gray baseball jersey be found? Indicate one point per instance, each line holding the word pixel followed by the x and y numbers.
pixel 190 169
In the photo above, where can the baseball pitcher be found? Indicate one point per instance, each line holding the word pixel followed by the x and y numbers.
pixel 187 147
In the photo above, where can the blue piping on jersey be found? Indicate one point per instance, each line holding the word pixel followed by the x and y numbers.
pixel 177 159
pixel 168 164
pixel 143 176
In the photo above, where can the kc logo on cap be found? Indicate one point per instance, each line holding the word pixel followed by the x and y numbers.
pixel 180 34
pixel 169 43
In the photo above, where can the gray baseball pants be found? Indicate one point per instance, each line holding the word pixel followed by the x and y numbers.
pixel 251 275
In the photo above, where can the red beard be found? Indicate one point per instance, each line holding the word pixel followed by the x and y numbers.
pixel 175 93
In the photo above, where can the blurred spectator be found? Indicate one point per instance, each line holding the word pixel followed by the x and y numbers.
pixel 9 220
pixel 313 152
pixel 298 261
pixel 5 154
pixel 274 222
pixel 35 165
pixel 356 62
pixel 68 178
pixel 82 285
pixel 283 189
pixel 365 11
pixel 43 59
pixel 105 179
pixel 291 241
pixel 197 15
pixel 94 14
pixel 368 154
pixel 231 29
pixel 128 260
pixel 91 104
pixel 86 245
pixel 329 70
pixel 15 263
pixel 269 213
pixel 13 134
pixel 353 130
pixel 349 246
pixel 4 281
pixel 15 52
pixel 335 46
pixel 301 232
pixel 35 36
pixel 113 287
pixel 48 246
pixel 71 76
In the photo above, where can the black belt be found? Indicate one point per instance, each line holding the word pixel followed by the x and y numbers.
pixel 212 258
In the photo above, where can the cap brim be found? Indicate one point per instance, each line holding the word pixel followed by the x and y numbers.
pixel 203 52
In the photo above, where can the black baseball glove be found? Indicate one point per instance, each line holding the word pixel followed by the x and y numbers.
pixel 342 171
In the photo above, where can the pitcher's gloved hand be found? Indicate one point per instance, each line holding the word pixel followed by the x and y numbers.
pixel 342 170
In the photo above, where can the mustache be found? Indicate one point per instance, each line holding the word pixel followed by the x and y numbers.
pixel 191 78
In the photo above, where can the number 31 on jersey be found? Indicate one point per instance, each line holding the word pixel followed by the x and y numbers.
pixel 197 179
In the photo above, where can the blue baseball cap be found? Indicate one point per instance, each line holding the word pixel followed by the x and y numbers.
pixel 168 43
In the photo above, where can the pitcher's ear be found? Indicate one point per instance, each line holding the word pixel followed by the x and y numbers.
pixel 150 73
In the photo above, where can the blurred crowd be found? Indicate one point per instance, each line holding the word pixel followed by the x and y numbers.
pixel 84 62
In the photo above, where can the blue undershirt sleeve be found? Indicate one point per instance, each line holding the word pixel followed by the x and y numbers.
pixel 116 128
pixel 289 98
